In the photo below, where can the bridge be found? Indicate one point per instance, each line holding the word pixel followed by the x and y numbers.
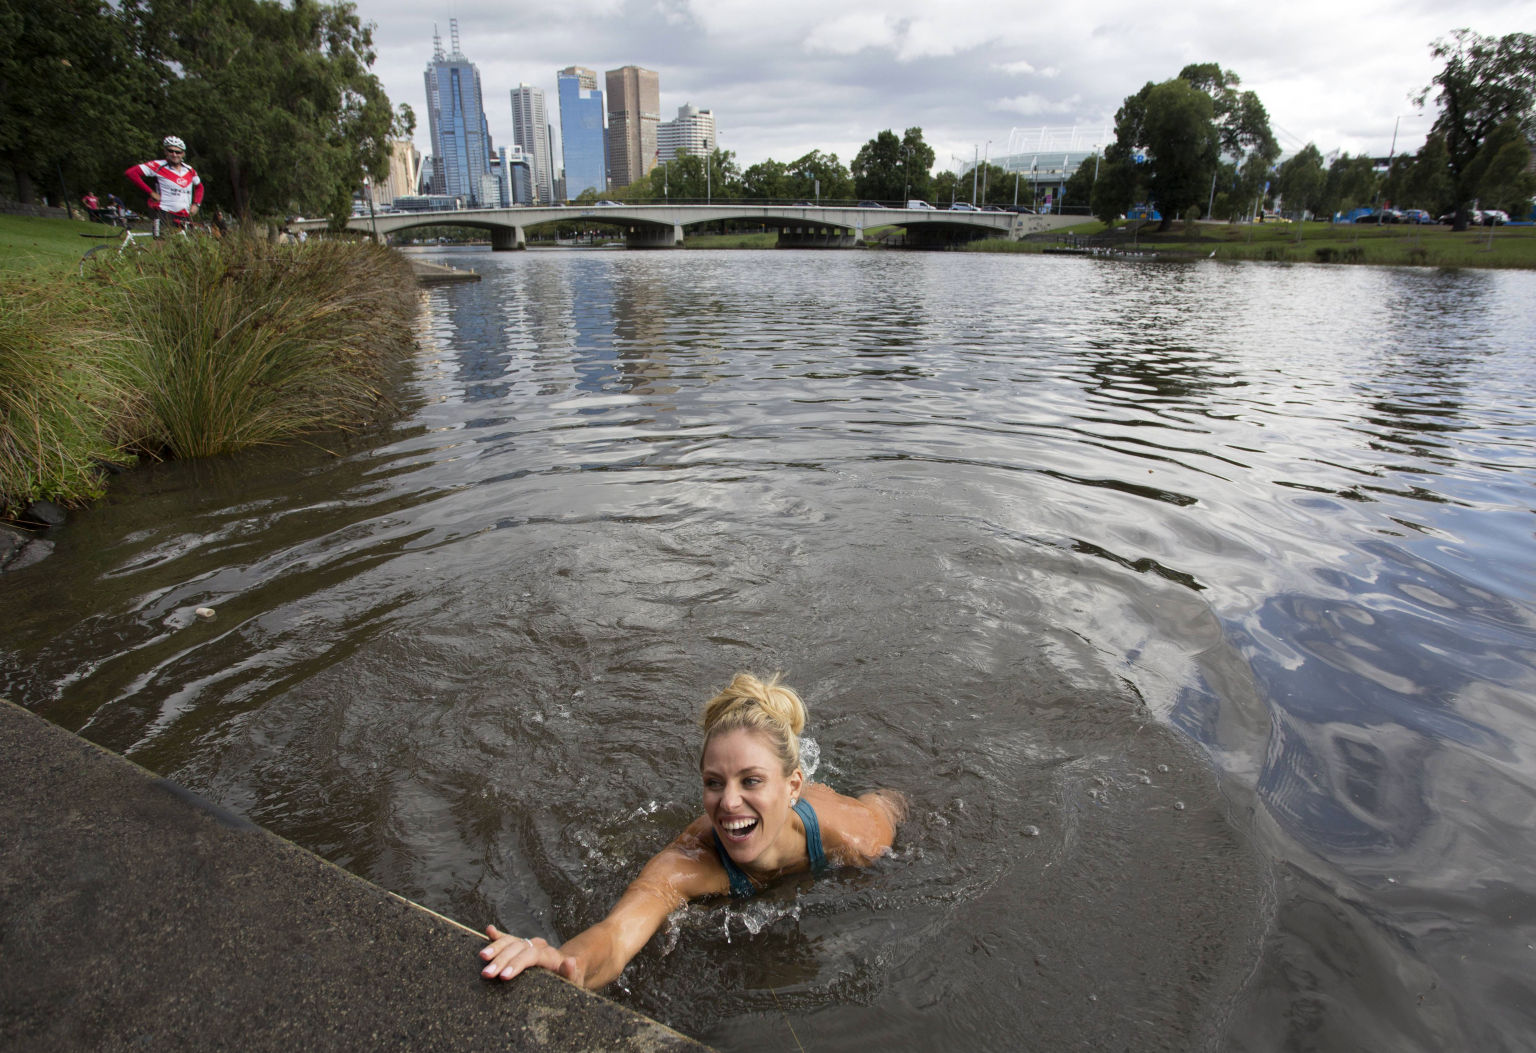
pixel 662 226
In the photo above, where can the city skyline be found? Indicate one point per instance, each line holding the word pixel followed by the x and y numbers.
pixel 808 76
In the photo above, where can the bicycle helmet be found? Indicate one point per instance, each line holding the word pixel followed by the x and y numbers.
pixel 173 142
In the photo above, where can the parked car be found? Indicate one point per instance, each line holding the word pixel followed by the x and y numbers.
pixel 1494 217
pixel 870 204
pixel 1023 210
pixel 1417 215
pixel 805 204
pixel 608 204
pixel 993 208
pixel 1386 215
pixel 915 203
pixel 1474 217
pixel 963 206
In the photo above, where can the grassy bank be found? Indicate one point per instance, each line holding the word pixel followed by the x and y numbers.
pixel 757 240
pixel 1390 245
pixel 29 245
pixel 189 349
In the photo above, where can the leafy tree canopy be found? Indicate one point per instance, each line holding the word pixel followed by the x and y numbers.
pixel 1486 94
pixel 275 99
pixel 890 169
pixel 74 94
pixel 1166 148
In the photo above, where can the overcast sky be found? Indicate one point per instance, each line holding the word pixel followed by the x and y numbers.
pixel 787 76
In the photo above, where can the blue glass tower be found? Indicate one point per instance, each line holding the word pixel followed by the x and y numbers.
pixel 461 139
pixel 583 142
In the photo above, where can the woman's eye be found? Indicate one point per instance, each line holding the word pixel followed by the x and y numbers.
pixel 751 781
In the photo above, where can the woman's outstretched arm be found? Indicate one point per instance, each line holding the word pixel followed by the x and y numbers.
pixel 596 956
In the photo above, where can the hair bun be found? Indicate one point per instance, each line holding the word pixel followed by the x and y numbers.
pixel 761 705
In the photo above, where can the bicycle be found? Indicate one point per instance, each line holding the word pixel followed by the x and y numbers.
pixel 98 254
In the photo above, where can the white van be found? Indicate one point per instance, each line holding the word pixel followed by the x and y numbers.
pixel 914 203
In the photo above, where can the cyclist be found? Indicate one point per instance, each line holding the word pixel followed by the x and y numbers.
pixel 177 191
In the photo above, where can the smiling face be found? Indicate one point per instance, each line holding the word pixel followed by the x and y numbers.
pixel 747 797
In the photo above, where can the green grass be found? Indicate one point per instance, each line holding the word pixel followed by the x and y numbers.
pixel 30 245
pixel 763 240
pixel 60 404
pixel 1390 245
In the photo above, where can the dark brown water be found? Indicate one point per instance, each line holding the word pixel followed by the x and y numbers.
pixel 1194 607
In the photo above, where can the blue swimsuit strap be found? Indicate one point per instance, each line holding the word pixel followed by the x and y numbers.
pixel 741 885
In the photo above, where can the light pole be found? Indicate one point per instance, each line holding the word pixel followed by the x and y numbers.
pixel 984 155
pixel 1393 151
pixel 975 170
pixel 368 193
pixel 906 162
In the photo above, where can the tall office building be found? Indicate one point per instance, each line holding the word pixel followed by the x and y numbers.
pixel 530 127
pixel 461 140
pixel 692 133
pixel 634 111
pixel 582 137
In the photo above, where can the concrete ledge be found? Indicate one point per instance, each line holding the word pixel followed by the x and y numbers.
pixel 138 916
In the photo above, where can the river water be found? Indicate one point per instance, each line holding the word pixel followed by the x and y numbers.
pixel 1193 606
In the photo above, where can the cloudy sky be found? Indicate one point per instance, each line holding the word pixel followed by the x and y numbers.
pixel 787 76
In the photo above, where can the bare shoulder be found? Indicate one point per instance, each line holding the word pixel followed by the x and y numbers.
pixel 856 830
pixel 686 869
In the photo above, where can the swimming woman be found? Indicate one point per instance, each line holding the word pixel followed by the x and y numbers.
pixel 762 820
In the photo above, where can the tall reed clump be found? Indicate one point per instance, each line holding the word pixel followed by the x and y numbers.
pixel 236 342
pixel 60 408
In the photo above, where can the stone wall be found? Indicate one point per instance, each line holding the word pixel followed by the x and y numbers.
pixel 16 208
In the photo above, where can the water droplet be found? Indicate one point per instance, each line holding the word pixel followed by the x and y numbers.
pixel 1162 767
pixel 1178 806
pixel 1145 780
pixel 1031 831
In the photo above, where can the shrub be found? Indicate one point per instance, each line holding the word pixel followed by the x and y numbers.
pixel 237 342
pixel 59 409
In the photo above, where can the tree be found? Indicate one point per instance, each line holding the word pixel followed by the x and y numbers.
pixel 1486 94
pixel 276 101
pixel 817 167
pixel 1350 183
pixel 890 169
pixel 1078 191
pixel 1300 181
pixel 688 177
pixel 1172 126
pixel 766 181
pixel 75 95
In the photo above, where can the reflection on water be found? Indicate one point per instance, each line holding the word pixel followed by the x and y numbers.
pixel 1192 605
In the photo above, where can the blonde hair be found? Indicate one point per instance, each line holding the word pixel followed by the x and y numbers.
pixel 763 706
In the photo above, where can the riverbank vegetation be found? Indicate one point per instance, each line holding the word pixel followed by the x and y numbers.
pixel 1386 245
pixel 192 349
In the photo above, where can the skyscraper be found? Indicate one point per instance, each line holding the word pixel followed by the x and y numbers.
pixel 634 111
pixel 582 139
pixel 530 127
pixel 461 140
pixel 692 133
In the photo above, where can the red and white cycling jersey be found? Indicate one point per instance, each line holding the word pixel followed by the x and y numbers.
pixel 179 188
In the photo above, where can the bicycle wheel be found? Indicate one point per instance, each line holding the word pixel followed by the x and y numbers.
pixel 96 258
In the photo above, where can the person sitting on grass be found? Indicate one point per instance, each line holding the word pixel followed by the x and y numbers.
pixel 762 821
